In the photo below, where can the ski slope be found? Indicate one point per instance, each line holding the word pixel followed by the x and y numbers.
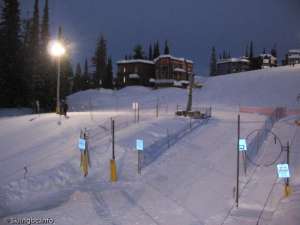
pixel 188 174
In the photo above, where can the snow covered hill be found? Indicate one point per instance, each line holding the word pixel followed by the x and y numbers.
pixel 268 87
pixel 188 175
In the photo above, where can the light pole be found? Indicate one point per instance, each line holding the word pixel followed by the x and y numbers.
pixel 57 50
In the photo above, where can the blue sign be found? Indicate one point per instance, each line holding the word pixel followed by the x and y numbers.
pixel 81 144
pixel 283 171
pixel 139 145
pixel 242 145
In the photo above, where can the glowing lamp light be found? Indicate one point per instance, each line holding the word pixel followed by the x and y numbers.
pixel 56 49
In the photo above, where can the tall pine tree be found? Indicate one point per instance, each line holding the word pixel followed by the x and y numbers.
pixel 37 80
pixel 138 52
pixel 156 52
pixel 150 56
pixel 166 50
pixel 66 69
pixel 247 51
pixel 77 81
pixel 100 62
pixel 86 80
pixel 109 72
pixel 11 82
pixel 251 54
pixel 213 62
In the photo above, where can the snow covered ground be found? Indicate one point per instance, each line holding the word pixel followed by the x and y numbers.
pixel 188 174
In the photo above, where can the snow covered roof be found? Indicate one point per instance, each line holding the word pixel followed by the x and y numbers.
pixel 172 57
pixel 267 55
pixel 134 76
pixel 294 56
pixel 164 81
pixel 297 51
pixel 135 61
pixel 179 70
pixel 233 60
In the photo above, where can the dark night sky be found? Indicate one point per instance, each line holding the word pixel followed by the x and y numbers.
pixel 191 26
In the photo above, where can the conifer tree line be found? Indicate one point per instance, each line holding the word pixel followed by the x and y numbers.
pixel 249 54
pixel 27 71
pixel 153 51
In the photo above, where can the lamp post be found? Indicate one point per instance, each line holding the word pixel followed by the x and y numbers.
pixel 57 50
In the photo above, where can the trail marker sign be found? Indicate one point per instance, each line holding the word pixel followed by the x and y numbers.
pixel 140 145
pixel 81 144
pixel 242 145
pixel 283 171
pixel 135 105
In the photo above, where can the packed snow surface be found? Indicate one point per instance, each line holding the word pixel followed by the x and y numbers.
pixel 189 166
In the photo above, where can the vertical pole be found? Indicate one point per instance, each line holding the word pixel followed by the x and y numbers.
pixel 113 166
pixel 190 122
pixel 168 137
pixel 134 106
pixel 157 108
pixel 113 138
pixel 288 161
pixel 138 112
pixel 139 162
pixel 58 87
pixel 237 165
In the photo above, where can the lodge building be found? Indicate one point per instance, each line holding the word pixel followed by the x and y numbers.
pixel 232 65
pixel 165 70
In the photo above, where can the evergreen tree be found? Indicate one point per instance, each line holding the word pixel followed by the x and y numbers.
pixel 100 62
pixel 37 80
pixel 213 62
pixel 150 53
pixel 224 56
pixel 247 51
pixel 156 52
pixel 45 34
pixel 274 51
pixel 251 54
pixel 109 80
pixel 66 69
pixel 11 81
pixel 138 52
pixel 264 50
pixel 77 81
pixel 86 80
pixel 167 50
pixel 48 68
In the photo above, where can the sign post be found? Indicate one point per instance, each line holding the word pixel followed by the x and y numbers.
pixel 140 149
pixel 84 156
pixel 237 164
pixel 135 107
pixel 243 149
pixel 113 166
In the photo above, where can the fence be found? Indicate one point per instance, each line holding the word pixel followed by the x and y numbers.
pixel 255 143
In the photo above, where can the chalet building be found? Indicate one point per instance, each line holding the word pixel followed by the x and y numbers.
pixel 165 70
pixel 232 65
pixel 293 57
pixel 172 71
pixel 135 72
pixel 267 61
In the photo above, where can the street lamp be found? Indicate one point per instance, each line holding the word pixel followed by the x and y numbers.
pixel 57 50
